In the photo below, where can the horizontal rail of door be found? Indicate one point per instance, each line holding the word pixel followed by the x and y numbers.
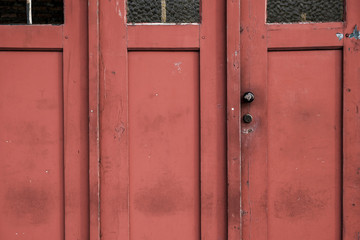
pixel 164 37
pixel 31 36
pixel 283 36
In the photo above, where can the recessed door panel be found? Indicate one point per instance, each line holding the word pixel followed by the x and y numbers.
pixel 31 145
pixel 304 144
pixel 164 145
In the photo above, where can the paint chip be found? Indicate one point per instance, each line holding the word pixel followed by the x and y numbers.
pixel 340 36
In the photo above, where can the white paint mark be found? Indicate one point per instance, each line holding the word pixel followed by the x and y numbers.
pixel 46 171
pixel 178 66
pixel 117 9
pixel 91 110
pixel 156 94
pixel 232 109
pixel 236 53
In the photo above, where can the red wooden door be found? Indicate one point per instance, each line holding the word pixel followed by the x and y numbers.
pixel 43 129
pixel 162 126
pixel 299 154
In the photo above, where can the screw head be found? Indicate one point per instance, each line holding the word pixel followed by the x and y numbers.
pixel 247 118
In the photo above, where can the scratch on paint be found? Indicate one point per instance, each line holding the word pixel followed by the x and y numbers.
pixel 104 82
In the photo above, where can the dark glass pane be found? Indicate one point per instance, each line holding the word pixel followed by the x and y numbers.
pixel 286 11
pixel 144 11
pixel 47 11
pixel 182 11
pixel 12 12
pixel 43 12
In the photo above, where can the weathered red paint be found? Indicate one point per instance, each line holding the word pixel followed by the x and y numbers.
pixel 164 154
pixel 299 155
pixel 304 146
pixel 44 155
pixel 32 179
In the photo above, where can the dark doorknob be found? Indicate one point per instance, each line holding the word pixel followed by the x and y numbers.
pixel 247 118
pixel 248 97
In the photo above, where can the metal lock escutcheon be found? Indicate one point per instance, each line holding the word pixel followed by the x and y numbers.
pixel 248 97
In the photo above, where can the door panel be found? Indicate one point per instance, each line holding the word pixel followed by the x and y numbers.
pixel 304 144
pixel 164 129
pixel 31 145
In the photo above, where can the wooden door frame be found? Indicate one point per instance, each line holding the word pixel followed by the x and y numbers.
pixel 279 37
pixel 107 66
pixel 71 39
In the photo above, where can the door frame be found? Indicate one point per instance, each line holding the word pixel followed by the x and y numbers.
pixel 285 37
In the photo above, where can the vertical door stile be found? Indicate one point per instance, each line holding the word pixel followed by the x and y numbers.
pixel 351 125
pixel 75 85
pixel 114 158
pixel 233 120
pixel 212 118
pixel 94 134
pixel 254 135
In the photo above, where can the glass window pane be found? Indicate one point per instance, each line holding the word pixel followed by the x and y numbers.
pixel 13 12
pixel 42 12
pixel 182 11
pixel 163 11
pixel 144 11
pixel 48 11
pixel 286 11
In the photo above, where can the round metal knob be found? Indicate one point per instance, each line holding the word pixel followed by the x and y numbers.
pixel 248 97
pixel 247 118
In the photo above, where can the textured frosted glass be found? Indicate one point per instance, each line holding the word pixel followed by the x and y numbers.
pixel 166 11
pixel 285 11
pixel 182 11
pixel 144 11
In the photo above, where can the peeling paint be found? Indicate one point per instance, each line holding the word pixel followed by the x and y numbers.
pixel 177 64
pixel 340 36
pixel 117 9
pixel 355 34
pixel 247 131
